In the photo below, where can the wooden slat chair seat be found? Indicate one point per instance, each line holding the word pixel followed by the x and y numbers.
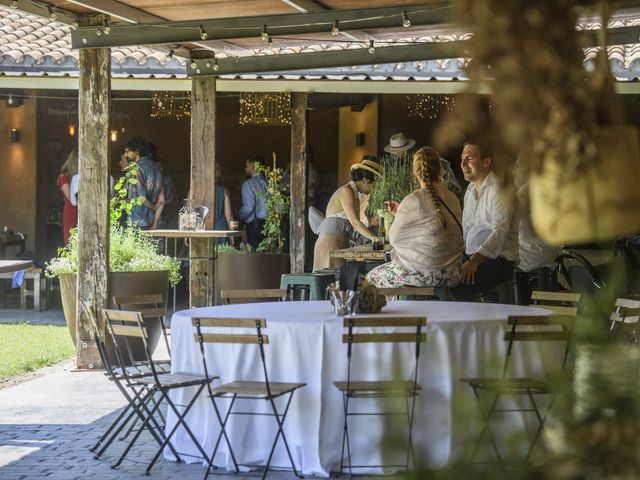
pixel 382 387
pixel 226 332
pixel 412 292
pixel 254 294
pixel 122 324
pixel 551 328
pixel 560 303
pixel 625 321
pixel 364 330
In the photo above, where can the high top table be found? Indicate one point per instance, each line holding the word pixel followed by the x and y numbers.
pixel 463 339
pixel 212 253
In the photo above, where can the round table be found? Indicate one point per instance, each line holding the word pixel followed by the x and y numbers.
pixel 463 340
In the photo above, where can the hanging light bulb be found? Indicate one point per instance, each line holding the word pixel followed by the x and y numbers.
pixel 372 48
pixel 335 30
pixel 406 23
pixel 264 35
pixel 269 41
pixel 74 25
pixel 114 136
pixel 72 130
pixel 52 14
pixel 203 34
pixel 193 63
pixel 107 28
pixel 14 4
pixel 171 53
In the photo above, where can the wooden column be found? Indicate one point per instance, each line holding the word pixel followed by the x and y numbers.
pixel 203 143
pixel 298 212
pixel 93 197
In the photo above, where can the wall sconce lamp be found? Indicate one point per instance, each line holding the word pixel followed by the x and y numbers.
pixel 72 129
pixel 15 135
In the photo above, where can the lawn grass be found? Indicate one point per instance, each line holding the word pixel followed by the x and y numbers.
pixel 24 347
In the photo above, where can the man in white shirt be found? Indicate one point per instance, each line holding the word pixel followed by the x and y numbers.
pixel 489 229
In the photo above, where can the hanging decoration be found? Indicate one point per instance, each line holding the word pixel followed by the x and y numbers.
pixel 269 109
pixel 429 106
pixel 176 105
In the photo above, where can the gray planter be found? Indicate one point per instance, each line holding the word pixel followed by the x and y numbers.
pixel 120 283
pixel 251 270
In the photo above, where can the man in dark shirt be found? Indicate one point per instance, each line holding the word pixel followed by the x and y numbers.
pixel 149 183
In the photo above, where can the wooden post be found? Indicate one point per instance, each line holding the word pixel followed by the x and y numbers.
pixel 93 197
pixel 203 151
pixel 298 211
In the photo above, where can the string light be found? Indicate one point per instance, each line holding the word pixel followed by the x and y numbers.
pixel 114 136
pixel 335 30
pixel 74 25
pixel 107 28
pixel 170 105
pixel 203 34
pixel 269 41
pixel 406 23
pixel 193 63
pixel 429 106
pixel 265 109
pixel 215 64
pixel 52 14
pixel 264 35
pixel 14 4
pixel 372 48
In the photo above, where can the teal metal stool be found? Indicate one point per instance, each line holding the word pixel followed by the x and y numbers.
pixel 317 282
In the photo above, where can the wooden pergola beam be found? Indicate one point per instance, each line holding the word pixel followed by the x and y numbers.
pixel 93 198
pixel 247 27
pixel 202 182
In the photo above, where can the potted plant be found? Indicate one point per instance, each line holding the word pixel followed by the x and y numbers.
pixel 263 268
pixel 135 267
pixel 395 182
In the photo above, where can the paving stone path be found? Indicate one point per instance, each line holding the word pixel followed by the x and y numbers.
pixel 48 423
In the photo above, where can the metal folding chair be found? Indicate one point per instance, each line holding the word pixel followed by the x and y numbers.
pixel 123 325
pixel 537 329
pixel 625 321
pixel 354 389
pixel 138 396
pixel 243 389
pixel 255 294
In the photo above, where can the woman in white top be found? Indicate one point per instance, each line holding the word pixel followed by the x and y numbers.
pixel 343 215
pixel 426 235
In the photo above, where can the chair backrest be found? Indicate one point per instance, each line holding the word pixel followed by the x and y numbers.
pixel 263 294
pixel 409 291
pixel 124 326
pixel 625 321
pixel 100 342
pixel 222 334
pixel 151 306
pixel 561 303
pixel 538 328
pixel 578 272
pixel 410 330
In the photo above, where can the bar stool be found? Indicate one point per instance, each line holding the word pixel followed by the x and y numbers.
pixel 316 282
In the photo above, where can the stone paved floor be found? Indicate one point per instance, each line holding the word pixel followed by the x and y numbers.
pixel 48 423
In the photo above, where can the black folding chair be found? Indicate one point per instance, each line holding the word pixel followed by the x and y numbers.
pixel 353 389
pixel 123 325
pixel 537 329
pixel 243 389
pixel 138 396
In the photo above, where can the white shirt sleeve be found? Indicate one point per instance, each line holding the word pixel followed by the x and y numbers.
pixel 73 189
pixel 500 222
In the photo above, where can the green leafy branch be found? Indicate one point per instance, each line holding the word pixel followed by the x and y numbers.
pixel 121 203
pixel 278 202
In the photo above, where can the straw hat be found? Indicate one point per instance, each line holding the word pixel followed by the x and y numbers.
pixel 369 165
pixel 399 143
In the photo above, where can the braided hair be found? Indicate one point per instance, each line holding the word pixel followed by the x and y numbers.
pixel 426 165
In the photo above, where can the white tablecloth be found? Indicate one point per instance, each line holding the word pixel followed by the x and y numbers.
pixel 463 339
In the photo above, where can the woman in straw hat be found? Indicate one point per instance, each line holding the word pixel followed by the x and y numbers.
pixel 426 235
pixel 343 214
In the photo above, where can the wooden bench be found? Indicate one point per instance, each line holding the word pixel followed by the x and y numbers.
pixel 41 285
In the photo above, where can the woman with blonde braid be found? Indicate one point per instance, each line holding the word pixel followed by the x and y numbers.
pixel 425 235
